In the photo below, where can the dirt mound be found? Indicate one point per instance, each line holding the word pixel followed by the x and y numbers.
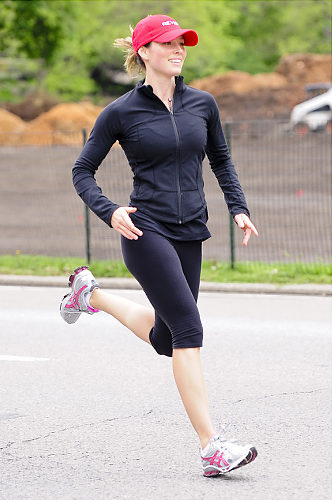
pixel 63 124
pixel 11 126
pixel 261 103
pixel 67 117
pixel 32 106
pixel 305 68
pixel 242 96
pixel 238 82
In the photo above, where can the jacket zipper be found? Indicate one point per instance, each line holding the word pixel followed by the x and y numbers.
pixel 177 164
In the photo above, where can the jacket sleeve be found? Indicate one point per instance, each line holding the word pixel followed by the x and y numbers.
pixel 222 165
pixel 103 135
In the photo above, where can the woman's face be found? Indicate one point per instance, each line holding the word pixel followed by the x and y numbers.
pixel 165 58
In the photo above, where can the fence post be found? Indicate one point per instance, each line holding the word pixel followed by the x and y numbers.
pixel 231 221
pixel 87 219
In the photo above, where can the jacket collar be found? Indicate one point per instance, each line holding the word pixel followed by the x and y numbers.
pixel 148 90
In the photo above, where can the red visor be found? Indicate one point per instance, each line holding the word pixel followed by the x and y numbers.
pixel 161 29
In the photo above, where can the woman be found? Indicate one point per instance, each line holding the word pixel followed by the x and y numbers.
pixel 165 129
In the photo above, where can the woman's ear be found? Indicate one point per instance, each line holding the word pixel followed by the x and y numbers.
pixel 142 53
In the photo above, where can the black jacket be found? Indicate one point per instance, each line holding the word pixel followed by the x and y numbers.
pixel 165 151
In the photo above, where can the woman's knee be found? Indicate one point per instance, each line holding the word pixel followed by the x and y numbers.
pixel 188 331
pixel 183 332
pixel 162 344
pixel 188 338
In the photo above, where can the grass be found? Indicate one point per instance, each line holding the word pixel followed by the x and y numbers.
pixel 261 272
pixel 244 272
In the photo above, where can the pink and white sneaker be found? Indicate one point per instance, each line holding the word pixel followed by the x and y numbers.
pixel 74 303
pixel 221 456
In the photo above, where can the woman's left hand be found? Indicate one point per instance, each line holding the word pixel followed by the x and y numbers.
pixel 243 221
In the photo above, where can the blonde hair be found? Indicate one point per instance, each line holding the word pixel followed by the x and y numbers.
pixel 133 64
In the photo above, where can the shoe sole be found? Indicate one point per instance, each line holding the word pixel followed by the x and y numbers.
pixel 249 458
pixel 71 316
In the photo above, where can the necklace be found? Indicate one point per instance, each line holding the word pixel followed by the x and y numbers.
pixel 170 103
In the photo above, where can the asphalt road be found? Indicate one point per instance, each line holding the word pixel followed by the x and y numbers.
pixel 89 412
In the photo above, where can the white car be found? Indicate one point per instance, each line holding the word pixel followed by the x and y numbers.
pixel 314 114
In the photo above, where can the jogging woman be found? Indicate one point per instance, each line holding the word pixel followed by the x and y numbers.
pixel 165 129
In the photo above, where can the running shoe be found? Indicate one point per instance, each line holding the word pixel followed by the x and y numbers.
pixel 74 303
pixel 221 456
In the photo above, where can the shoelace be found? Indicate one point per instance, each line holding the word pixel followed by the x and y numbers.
pixel 224 442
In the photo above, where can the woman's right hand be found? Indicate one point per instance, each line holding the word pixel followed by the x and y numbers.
pixel 122 223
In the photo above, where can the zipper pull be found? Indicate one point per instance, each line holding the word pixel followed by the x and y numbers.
pixel 170 105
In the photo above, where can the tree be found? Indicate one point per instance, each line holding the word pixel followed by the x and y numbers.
pixel 34 28
pixel 306 27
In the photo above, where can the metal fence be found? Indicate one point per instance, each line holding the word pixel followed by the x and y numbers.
pixel 286 178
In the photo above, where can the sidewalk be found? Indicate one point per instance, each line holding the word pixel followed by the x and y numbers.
pixel 131 284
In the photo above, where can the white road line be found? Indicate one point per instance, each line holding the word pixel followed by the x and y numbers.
pixel 29 359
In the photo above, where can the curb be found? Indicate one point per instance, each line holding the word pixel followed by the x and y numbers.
pixel 131 284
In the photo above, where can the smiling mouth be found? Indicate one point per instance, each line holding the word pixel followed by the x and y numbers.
pixel 175 61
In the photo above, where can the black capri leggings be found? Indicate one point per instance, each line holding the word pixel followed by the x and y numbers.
pixel 169 273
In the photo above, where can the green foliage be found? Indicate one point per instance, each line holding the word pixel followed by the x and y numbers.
pixel 306 28
pixel 258 26
pixel 17 77
pixel 89 50
pixel 7 14
pixel 212 21
pixel 74 39
pixel 34 27
pixel 71 82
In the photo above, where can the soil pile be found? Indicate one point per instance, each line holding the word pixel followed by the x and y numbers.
pixel 11 126
pixel 238 82
pixel 242 96
pixel 32 106
pixel 63 124
pixel 306 68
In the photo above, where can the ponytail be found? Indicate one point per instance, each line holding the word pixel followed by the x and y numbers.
pixel 133 64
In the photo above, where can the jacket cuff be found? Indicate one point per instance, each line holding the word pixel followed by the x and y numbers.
pixel 114 207
pixel 240 211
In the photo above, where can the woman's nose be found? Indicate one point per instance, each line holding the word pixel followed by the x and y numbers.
pixel 178 47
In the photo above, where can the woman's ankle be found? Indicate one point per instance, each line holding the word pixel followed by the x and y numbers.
pixel 92 298
pixel 205 439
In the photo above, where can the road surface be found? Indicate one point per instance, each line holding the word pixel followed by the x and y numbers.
pixel 90 412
